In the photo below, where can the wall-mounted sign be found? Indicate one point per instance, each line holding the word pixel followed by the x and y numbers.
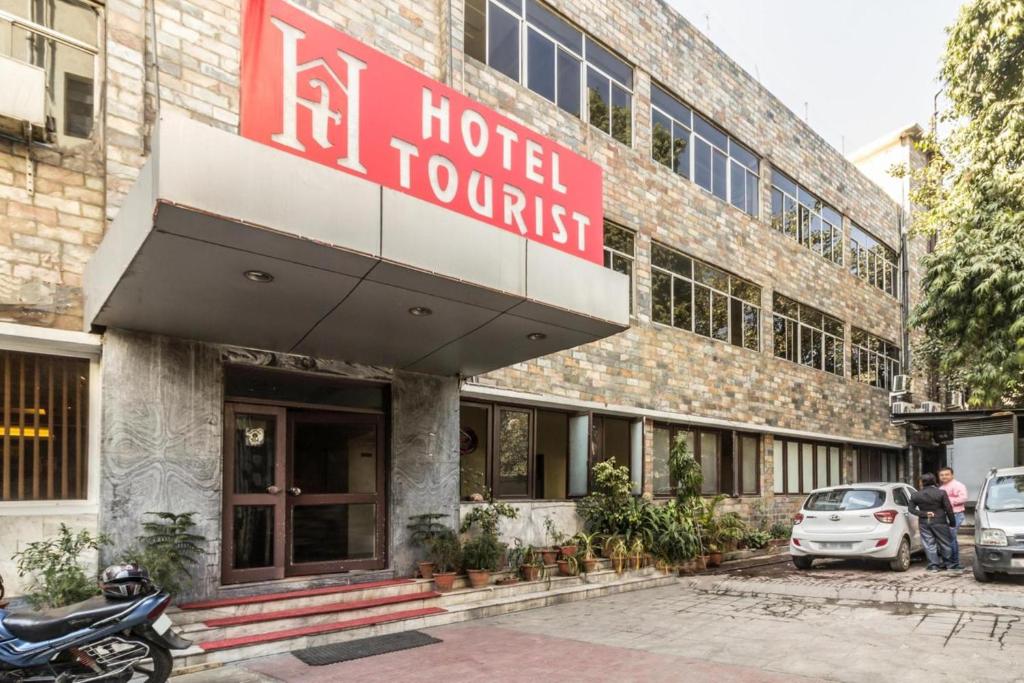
pixel 312 90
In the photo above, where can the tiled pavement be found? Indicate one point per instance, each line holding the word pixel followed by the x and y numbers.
pixel 676 633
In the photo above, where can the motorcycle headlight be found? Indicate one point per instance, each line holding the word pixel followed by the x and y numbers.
pixel 992 537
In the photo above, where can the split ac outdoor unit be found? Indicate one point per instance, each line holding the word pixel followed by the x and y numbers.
pixel 900 407
pixel 900 384
pixel 22 97
pixel 931 407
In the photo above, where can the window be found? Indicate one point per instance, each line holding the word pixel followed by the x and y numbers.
pixel 43 427
pixel 807 336
pixel 719 163
pixel 61 37
pixel 620 253
pixel 875 464
pixel 730 461
pixel 803 217
pixel 802 466
pixel 873 262
pixel 844 500
pixel 873 360
pixel 692 295
pixel 531 44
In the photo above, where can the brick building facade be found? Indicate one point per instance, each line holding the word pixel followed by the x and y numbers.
pixel 150 422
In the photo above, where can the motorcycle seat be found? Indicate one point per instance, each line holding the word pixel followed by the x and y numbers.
pixel 48 624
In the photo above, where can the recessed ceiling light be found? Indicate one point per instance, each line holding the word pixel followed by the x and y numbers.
pixel 259 276
pixel 420 311
pixel 536 336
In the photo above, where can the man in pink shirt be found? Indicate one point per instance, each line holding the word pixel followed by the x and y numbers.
pixel 957 493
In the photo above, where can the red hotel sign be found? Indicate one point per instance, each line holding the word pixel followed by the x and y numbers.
pixel 314 91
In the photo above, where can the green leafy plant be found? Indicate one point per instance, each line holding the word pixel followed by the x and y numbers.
pixel 445 551
pixel 780 530
pixel 482 553
pixel 610 505
pixel 755 539
pixel 684 471
pixel 425 527
pixel 170 549
pixel 56 576
pixel 487 517
pixel 586 544
pixel 558 538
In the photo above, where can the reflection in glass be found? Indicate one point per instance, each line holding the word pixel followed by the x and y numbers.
pixel 332 457
pixel 255 441
pixel 540 73
pixel 254 536
pixel 709 461
pixel 513 451
pixel 327 533
pixel 503 42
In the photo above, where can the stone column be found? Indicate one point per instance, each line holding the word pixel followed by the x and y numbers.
pixel 161 441
pixel 424 467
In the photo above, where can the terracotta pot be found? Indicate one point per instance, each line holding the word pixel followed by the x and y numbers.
pixel 550 556
pixel 531 572
pixel 619 564
pixel 444 581
pixel 715 559
pixel 478 578
pixel 701 563
pixel 590 564
pixel 565 569
pixel 426 569
pixel 568 550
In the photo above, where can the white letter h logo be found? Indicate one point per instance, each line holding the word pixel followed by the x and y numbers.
pixel 321 111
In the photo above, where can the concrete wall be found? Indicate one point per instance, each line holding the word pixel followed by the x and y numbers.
pixel 529 527
pixel 17 531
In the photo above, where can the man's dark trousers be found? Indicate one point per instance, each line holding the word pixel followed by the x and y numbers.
pixel 937 539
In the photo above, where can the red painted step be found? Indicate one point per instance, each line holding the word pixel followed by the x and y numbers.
pixel 318 629
pixel 349 606
pixel 305 593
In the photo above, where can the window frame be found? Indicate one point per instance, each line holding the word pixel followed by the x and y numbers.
pixel 610 254
pixel 887 461
pixel 781 488
pixel 737 455
pixel 694 283
pixel 864 344
pixel 798 324
pixel 866 249
pixel 585 65
pixel 692 135
pixel 815 208
pixel 93 51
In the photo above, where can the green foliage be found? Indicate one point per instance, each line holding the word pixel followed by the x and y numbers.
pixel 482 552
pixel 755 539
pixel 169 548
pixel 557 536
pixel 970 196
pixel 610 506
pixel 425 527
pixel 586 544
pixel 56 577
pixel 486 517
pixel 445 551
pixel 780 530
pixel 684 471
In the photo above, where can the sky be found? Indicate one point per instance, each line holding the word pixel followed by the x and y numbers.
pixel 859 69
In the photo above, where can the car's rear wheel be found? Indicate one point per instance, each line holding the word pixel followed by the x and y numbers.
pixel 802 561
pixel 980 575
pixel 901 562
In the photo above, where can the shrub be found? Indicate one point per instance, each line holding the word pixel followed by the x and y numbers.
pixel 169 548
pixel 685 471
pixel 483 552
pixel 445 551
pixel 56 577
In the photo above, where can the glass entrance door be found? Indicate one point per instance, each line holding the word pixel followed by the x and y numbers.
pixel 335 502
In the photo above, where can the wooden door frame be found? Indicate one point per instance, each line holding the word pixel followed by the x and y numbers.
pixel 379 498
pixel 230 499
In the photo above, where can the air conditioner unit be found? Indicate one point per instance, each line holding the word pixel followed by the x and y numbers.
pixel 931 407
pixel 22 97
pixel 900 384
pixel 901 407
pixel 955 400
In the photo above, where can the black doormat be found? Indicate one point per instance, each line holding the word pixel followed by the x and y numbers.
pixel 364 647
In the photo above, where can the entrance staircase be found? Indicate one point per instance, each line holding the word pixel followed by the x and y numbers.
pixel 237 628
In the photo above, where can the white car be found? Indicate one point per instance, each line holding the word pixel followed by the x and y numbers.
pixel 869 521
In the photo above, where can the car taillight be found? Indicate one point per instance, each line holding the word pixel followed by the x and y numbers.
pixel 798 517
pixel 796 541
pixel 886 516
pixel 882 542
pixel 159 609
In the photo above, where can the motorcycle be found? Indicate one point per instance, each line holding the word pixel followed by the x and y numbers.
pixel 121 636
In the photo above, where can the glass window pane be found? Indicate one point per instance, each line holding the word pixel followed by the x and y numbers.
pixel 617 238
pixel 682 311
pixel 709 275
pixel 779 337
pixel 475 29
pixel 702 163
pixel 751 328
pixel 474 445
pixel 660 472
pixel 834 472
pixel 777 218
pixel 609 63
pixel 622 115
pixel 702 310
pixel 747 291
pixel 568 83
pixel 540 61
pixel 331 457
pixel 778 484
pixel 784 182
pixel 807 465
pixel 748 479
pixel 709 461
pixel 753 196
pixel 255 456
pixel 554 26
pixel 672 260
pixel 821 462
pixel 792 467
pixel 254 536
pixel 792 226
pixel 661 297
pixel 513 452
pixel 719 172
pixel 599 100
pixel 720 316
pixel 738 186
pixel 681 150
pixel 329 533
pixel 661 139
pixel 670 105
pixel 503 42
pixel 710 132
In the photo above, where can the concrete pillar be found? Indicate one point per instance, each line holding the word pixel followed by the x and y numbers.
pixel 161 441
pixel 424 466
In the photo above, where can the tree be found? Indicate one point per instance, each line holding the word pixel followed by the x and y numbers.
pixel 970 196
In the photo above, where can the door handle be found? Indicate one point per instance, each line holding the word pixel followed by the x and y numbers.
pixel 294 490
pixel 273 490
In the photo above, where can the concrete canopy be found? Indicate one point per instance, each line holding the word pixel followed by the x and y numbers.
pixel 350 260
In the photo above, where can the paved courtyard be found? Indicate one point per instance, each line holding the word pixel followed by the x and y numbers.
pixel 682 633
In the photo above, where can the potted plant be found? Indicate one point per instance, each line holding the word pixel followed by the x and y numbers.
pixel 586 544
pixel 568 565
pixel 637 553
pixel 445 554
pixel 561 542
pixel 480 557
pixel 617 551
pixel 424 528
pixel 532 567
